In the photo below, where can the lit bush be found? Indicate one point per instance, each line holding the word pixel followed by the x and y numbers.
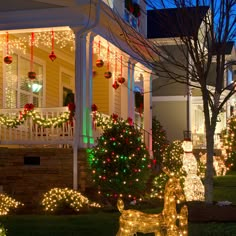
pixel 3 231
pixel 58 198
pixel 7 203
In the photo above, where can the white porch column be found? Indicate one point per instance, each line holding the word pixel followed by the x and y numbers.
pixel 130 83
pixel 83 94
pixel 148 110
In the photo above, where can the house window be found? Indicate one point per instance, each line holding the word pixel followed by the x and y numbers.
pixel 132 13
pixel 19 89
pixel 109 3
pixel 230 76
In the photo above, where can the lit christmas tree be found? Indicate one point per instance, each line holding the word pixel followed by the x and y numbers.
pixel 159 141
pixel 229 143
pixel 172 160
pixel 120 161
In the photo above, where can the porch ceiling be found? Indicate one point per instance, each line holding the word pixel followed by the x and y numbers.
pixel 13 5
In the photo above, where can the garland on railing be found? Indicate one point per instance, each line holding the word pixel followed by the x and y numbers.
pixel 36 117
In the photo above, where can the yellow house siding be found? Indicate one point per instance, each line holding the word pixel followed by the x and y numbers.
pixel 1 79
pixel 117 101
pixel 101 87
pixel 52 79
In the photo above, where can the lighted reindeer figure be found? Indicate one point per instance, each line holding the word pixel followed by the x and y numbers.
pixel 167 223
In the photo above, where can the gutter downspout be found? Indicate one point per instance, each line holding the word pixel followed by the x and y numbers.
pixel 79 86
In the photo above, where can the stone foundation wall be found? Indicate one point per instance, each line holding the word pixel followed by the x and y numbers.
pixel 25 179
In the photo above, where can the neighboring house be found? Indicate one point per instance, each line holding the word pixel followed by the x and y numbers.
pixel 82 35
pixel 177 106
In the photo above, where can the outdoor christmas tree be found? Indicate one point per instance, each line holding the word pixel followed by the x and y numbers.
pixel 120 161
pixel 159 141
pixel 173 161
pixel 229 143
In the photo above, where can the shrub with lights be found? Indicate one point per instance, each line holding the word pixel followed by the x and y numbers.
pixel 7 204
pixel 159 141
pixel 172 160
pixel 59 199
pixel 120 162
pixel 229 143
pixel 3 231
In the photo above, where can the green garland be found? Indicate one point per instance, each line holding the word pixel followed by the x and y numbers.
pixel 37 119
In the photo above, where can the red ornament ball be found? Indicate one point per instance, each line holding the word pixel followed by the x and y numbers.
pixel 52 56
pixel 121 79
pixel 31 75
pixel 107 74
pixel 115 85
pixel 94 107
pixel 99 63
pixel 8 59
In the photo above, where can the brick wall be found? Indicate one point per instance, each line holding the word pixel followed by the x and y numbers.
pixel 28 182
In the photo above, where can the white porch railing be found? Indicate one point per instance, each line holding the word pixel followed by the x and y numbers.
pixel 199 140
pixel 31 133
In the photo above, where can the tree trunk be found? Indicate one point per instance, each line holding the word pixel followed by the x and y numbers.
pixel 209 166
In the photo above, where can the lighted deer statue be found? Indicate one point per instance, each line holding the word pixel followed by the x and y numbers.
pixel 167 223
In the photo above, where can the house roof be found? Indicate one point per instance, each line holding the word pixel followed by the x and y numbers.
pixel 13 5
pixel 174 22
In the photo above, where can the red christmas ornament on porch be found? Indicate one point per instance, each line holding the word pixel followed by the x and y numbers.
pixel 107 74
pixel 99 63
pixel 121 79
pixel 31 73
pixel 52 55
pixel 94 107
pixel 8 58
pixel 115 85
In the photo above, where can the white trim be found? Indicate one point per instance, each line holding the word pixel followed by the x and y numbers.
pixel 61 84
pixel 169 98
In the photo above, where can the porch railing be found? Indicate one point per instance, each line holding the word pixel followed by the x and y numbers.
pixel 31 133
pixel 199 140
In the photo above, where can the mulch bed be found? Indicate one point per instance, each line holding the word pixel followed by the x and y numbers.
pixel 203 212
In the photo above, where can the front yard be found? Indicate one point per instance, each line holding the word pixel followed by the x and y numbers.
pixel 106 223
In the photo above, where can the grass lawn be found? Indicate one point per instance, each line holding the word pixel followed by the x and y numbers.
pixel 106 223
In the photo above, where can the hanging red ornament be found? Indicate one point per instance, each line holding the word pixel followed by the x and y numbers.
pixel 121 79
pixel 115 85
pixel 99 63
pixel 52 55
pixel 8 58
pixel 107 74
pixel 94 107
pixel 32 74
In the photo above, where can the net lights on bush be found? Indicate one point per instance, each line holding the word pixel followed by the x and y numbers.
pixel 57 197
pixel 14 122
pixel 7 203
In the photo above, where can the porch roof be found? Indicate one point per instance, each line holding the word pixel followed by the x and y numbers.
pixel 12 5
